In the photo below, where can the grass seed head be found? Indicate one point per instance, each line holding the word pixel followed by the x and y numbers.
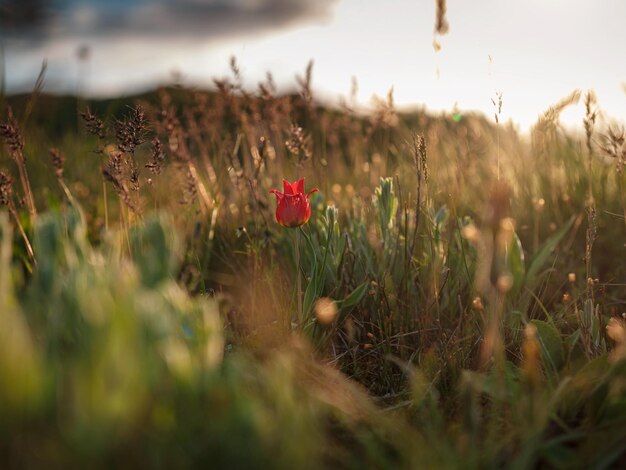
pixel 10 132
pixel 6 188
pixel 441 21
pixel 131 132
pixel 155 165
pixel 93 124
pixel 299 144
pixel 58 161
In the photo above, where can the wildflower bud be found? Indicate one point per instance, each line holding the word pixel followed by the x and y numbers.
pixel 508 224
pixel 504 282
pixel 325 310
pixel 470 232
pixel 616 331
pixel 531 355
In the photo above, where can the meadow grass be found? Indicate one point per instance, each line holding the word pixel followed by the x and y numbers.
pixel 464 286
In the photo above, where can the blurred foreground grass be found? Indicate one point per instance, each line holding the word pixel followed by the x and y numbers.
pixel 118 366
pixel 464 301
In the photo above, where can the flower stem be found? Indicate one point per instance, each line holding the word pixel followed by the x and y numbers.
pixel 298 275
pixel 20 227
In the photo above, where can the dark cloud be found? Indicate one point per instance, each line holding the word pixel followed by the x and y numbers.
pixel 34 21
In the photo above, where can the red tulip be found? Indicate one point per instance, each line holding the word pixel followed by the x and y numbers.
pixel 293 208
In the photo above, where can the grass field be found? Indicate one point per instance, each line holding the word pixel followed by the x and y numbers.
pixel 463 287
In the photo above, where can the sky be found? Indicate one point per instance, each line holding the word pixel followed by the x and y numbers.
pixel 534 52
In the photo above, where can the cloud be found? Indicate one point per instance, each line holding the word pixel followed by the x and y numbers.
pixel 32 22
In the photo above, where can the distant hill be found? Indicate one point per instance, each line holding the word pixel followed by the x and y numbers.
pixel 58 113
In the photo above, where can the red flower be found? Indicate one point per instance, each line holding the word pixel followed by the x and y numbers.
pixel 293 205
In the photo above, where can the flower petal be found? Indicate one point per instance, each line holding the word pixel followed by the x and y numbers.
pixel 277 193
pixel 298 186
pixel 288 189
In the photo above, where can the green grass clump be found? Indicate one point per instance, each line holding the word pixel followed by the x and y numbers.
pixel 106 361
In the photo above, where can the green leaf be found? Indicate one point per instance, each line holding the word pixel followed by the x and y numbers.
pixel 551 346
pixel 310 294
pixel 353 298
pixel 441 217
pixel 152 251
pixel 540 258
pixel 577 392
pixel 559 452
pixel 322 270
pixel 48 243
pixel 386 204
pixel 515 264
